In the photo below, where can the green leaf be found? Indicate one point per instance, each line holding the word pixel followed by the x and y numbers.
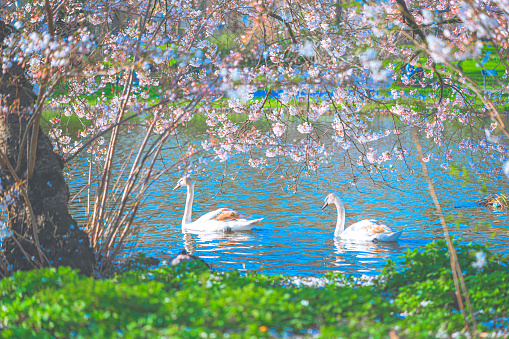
pixel 453 170
pixel 465 173
pixel 484 189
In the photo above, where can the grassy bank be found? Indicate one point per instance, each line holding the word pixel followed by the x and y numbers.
pixel 416 300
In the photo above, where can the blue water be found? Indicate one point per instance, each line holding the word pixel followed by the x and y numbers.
pixel 296 237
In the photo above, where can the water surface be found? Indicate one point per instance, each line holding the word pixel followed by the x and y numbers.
pixel 296 237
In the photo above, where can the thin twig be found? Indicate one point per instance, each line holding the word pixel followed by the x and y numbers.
pixel 98 135
pixel 133 175
pixel 99 208
pixel 455 267
pixel 23 143
pixel 23 192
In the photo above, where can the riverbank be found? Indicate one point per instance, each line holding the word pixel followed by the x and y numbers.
pixel 415 300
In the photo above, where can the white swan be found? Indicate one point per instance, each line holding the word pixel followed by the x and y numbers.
pixel 223 219
pixel 364 230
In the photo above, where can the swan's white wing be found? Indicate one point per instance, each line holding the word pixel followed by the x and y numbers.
pixel 370 230
pixel 394 236
pixel 370 226
pixel 224 226
pixel 210 215
pixel 222 214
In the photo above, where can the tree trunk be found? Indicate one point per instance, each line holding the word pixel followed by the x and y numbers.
pixel 62 242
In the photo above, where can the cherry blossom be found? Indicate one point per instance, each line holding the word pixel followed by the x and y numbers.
pixel 294 80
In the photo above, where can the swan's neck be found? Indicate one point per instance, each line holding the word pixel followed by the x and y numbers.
pixel 340 224
pixel 189 205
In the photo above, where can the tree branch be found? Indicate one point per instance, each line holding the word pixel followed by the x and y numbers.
pixel 288 27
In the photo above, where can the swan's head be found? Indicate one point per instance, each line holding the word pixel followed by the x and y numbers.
pixel 329 200
pixel 183 182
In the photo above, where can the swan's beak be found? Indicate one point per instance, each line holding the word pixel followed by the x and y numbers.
pixel 326 204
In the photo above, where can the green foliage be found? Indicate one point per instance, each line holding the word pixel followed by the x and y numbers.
pixel 433 260
pixel 189 301
pixel 464 176
pixel 423 287
pixel 139 261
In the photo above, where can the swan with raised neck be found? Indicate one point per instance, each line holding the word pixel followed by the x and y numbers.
pixel 340 223
pixel 223 219
pixel 365 230
pixel 187 182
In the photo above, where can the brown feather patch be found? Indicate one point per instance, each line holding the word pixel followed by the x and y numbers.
pixel 227 215
pixel 377 229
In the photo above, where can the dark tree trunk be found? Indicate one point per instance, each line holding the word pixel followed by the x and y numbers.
pixel 62 242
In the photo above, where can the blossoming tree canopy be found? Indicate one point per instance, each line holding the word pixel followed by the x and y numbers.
pixel 300 80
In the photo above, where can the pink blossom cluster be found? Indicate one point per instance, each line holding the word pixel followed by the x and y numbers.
pixel 302 81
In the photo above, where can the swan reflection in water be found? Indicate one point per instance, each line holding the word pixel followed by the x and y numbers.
pixel 226 241
pixel 379 251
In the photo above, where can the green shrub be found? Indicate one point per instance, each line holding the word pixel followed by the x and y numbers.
pixel 189 301
pixel 424 289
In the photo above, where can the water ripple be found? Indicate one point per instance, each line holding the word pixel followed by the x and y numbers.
pixel 296 237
